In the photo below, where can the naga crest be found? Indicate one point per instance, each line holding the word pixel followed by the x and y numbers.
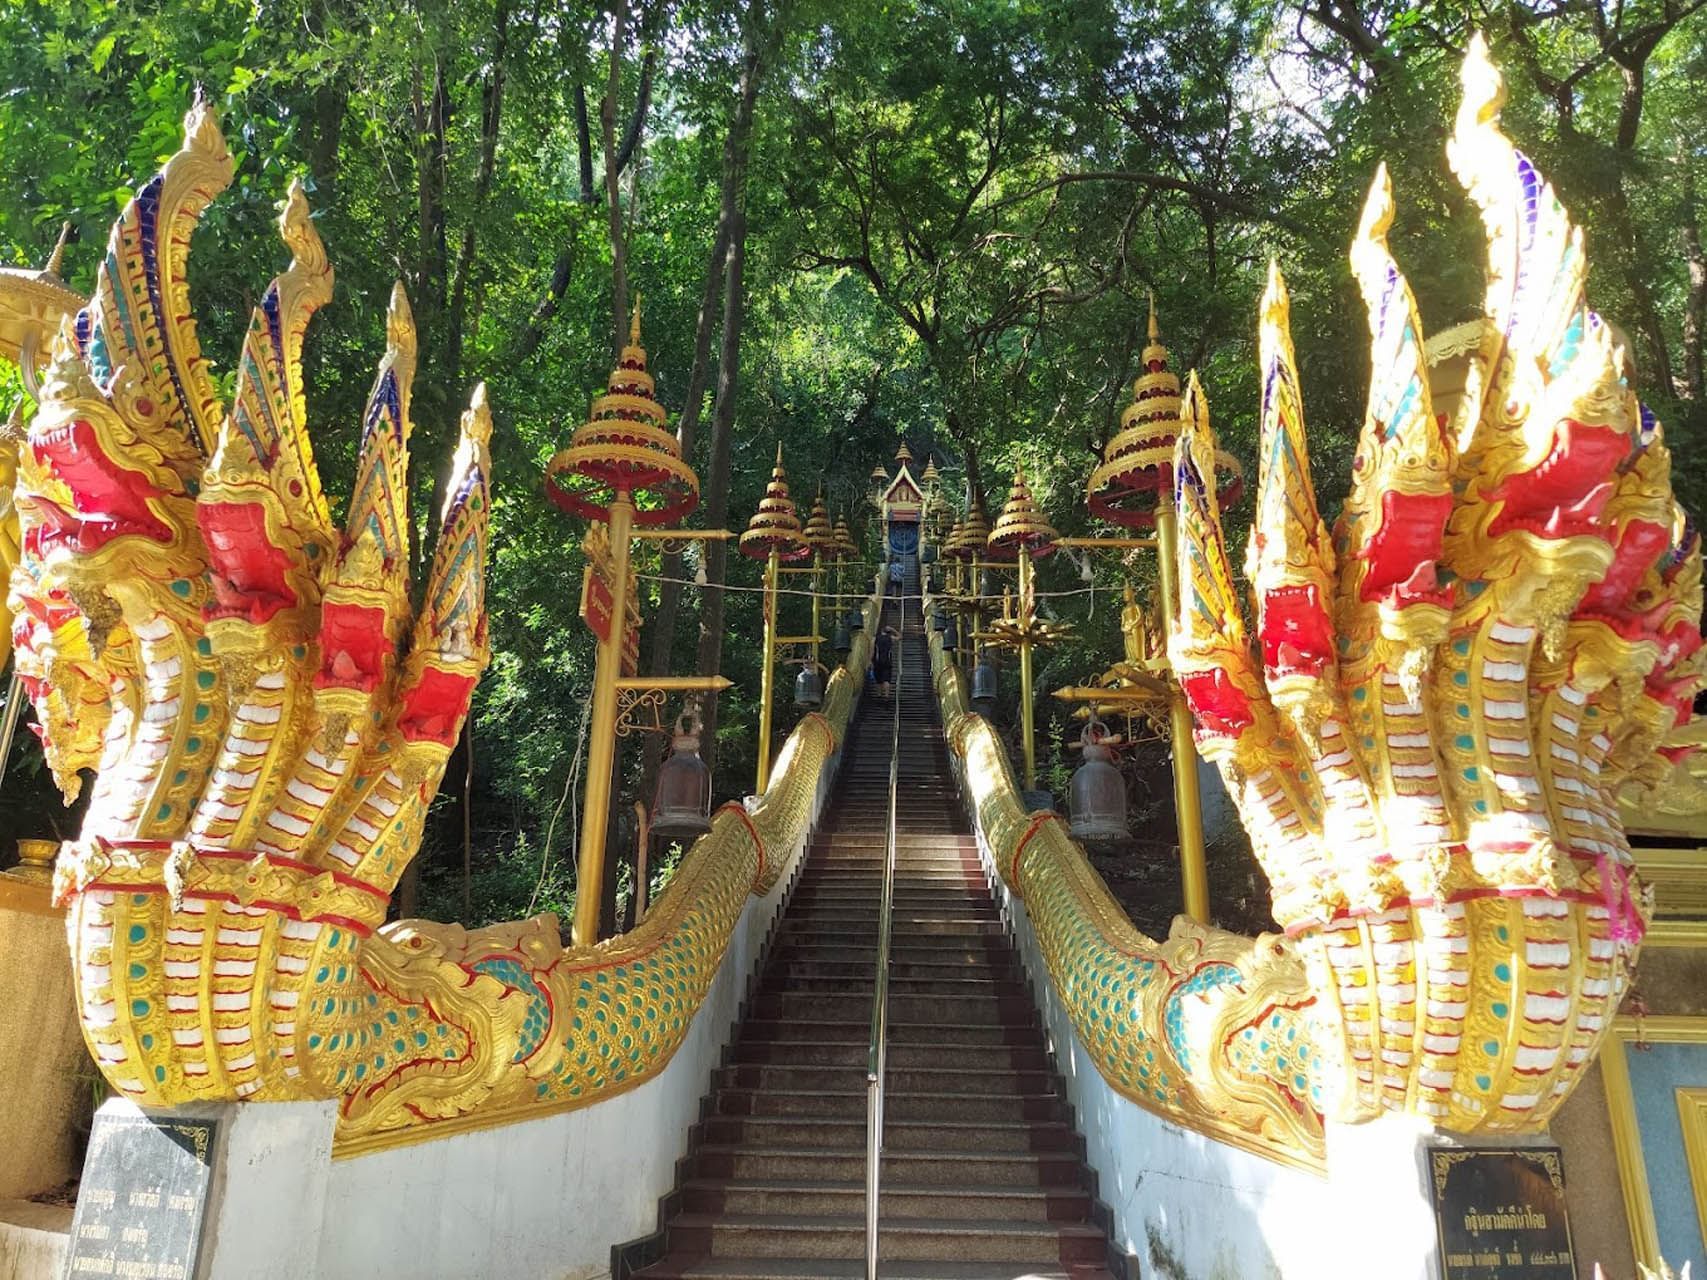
pixel 267 713
pixel 1446 691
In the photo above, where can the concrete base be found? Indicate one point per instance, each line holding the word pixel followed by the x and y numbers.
pixel 272 1165
pixel 33 1239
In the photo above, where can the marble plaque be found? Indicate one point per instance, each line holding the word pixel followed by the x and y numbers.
pixel 143 1200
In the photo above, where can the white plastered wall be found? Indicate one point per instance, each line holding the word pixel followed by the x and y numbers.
pixel 544 1198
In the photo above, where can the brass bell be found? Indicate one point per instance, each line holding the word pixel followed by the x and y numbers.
pixel 927 553
pixel 681 806
pixel 856 620
pixel 808 689
pixel 984 688
pixel 939 621
pixel 987 585
pixel 951 635
pixel 1096 801
pixel 842 643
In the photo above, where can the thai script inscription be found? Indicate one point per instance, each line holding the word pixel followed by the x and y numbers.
pixel 1501 1215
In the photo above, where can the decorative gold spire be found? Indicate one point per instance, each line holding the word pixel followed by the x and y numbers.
pixel 1137 464
pixel 820 533
pixel 931 474
pixel 903 455
pixel 624 448
pixel 775 526
pixel 1022 526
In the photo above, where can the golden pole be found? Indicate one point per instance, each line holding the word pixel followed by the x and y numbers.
pixel 817 610
pixel 767 681
pixel 1188 803
pixel 1025 713
pixel 601 747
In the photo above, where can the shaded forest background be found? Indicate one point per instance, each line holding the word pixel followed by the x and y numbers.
pixel 852 223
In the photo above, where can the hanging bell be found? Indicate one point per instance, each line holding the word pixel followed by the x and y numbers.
pixel 927 554
pixel 951 635
pixel 987 585
pixel 808 689
pixel 681 807
pixel 933 583
pixel 842 643
pixel 1096 802
pixel 856 620
pixel 984 688
pixel 939 621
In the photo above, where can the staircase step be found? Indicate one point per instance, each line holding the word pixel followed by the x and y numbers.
pixel 844 1269
pixel 898 1107
pixel 847 1199
pixel 919 1168
pixel 845 1133
pixel 925 1239
pixel 1003 1081
pixel 1025 1052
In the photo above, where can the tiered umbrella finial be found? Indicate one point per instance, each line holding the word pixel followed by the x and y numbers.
pixel 624 449
pixel 1138 464
pixel 775 526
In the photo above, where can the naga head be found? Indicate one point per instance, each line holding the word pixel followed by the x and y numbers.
pixel 1427 736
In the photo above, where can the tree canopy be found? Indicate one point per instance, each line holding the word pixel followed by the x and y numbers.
pixel 849 224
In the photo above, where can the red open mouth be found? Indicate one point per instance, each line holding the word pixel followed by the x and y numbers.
pixel 354 647
pixel 110 501
pixel 1218 706
pixel 1563 496
pixel 249 573
pixel 1296 636
pixel 433 710
pixel 1642 544
pixel 1401 555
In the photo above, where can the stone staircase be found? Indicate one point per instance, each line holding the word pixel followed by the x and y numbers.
pixel 983 1175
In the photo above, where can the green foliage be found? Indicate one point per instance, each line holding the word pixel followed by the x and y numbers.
pixel 957 210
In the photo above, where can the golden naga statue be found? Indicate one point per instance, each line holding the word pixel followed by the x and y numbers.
pixel 1447 689
pixel 268 716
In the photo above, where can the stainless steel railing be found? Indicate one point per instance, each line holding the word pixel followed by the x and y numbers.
pixel 877 1062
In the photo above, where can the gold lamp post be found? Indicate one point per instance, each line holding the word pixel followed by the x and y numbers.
pixel 774 536
pixel 625 472
pixel 1133 487
pixel 1022 531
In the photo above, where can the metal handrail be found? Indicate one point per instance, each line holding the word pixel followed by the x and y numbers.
pixel 878 1061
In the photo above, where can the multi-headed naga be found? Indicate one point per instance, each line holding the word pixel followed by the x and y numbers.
pixel 1448 689
pixel 268 712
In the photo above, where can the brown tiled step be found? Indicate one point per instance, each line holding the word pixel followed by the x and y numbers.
pixel 948 952
pixel 845 1269
pixel 898 1106
pixel 786 967
pixel 925 1009
pixel 848 1134
pixel 864 985
pixel 1027 1053
pixel 757 1195
pixel 855 931
pixel 855 840
pixel 957 940
pixel 907 1168
pixel 936 1081
pixel 948 1239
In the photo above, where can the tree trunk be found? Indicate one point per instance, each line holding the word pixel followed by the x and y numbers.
pixel 661 651
pixel 1695 300
pixel 584 144
pixel 491 111
pixel 709 657
pixel 613 199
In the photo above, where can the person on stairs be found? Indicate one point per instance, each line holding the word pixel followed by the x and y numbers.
pixel 883 660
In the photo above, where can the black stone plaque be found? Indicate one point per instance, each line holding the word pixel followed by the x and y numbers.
pixel 1500 1213
pixel 143 1198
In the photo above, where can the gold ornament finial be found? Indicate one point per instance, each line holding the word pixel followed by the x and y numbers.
pixel 57 257
pixel 1155 333
pixel 634 322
